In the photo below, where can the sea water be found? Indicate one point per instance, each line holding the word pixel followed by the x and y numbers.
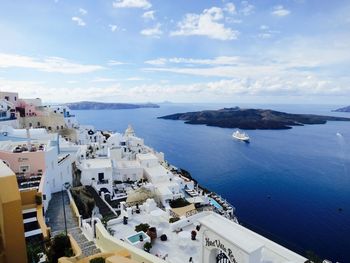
pixel 292 186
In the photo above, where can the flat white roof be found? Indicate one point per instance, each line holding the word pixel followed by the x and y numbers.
pixel 146 156
pixel 127 164
pixel 248 240
pixel 229 231
pixel 156 171
pixel 96 163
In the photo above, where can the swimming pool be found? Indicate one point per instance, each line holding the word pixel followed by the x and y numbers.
pixel 214 203
pixel 136 237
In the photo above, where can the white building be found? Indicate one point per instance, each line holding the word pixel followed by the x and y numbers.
pixel 127 171
pixel 97 172
pixel 222 239
pixel 88 134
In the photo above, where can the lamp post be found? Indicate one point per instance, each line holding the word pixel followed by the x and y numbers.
pixel 66 186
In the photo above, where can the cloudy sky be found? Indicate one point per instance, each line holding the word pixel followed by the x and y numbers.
pixel 286 51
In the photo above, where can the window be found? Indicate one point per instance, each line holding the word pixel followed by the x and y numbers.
pixel 39 123
pixel 101 176
pixel 24 168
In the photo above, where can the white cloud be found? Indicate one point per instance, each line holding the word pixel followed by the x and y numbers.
pixel 222 60
pixel 47 64
pixel 149 15
pixel 247 8
pixel 230 8
pixel 83 11
pixel 205 24
pixel 144 4
pixel 153 31
pixel 103 80
pixel 266 32
pixel 115 63
pixel 113 27
pixel 221 90
pixel 79 21
pixel 279 10
pixel 156 62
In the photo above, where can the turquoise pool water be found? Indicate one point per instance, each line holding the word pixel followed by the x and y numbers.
pixel 136 238
pixel 214 203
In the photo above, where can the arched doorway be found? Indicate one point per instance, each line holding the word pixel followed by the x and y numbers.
pixel 222 258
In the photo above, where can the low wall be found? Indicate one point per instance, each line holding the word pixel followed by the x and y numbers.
pixel 107 243
pixel 74 207
pixel 187 221
pixel 41 221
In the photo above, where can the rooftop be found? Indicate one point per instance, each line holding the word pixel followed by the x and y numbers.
pixel 99 163
pixel 127 164
pixel 178 247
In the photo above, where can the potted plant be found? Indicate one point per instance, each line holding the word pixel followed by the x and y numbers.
pixel 163 237
pixel 193 234
pixel 147 246
pixel 152 233
pixel 142 227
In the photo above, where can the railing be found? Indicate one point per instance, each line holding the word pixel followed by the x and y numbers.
pixel 102 181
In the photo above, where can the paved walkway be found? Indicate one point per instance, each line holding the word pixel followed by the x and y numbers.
pixel 55 213
pixel 55 217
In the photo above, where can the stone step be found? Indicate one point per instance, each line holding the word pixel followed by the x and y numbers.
pixel 91 250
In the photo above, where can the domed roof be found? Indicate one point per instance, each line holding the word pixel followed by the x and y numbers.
pixel 129 131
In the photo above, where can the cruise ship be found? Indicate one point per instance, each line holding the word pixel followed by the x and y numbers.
pixel 240 136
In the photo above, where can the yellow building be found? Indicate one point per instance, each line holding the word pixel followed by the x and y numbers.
pixel 12 241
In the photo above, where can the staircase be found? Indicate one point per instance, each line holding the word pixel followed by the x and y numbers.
pixel 55 217
pixel 87 247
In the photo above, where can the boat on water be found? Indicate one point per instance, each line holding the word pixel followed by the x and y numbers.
pixel 241 136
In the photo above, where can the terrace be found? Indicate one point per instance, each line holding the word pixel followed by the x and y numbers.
pixel 177 248
pixel 19 148
pixel 28 182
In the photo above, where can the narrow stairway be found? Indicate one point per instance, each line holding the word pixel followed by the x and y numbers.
pixel 55 218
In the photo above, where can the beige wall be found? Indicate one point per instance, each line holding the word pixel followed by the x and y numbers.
pixel 52 120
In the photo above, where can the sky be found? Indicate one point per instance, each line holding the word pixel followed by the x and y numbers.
pixel 267 51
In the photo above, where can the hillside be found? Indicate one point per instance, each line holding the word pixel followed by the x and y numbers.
pixel 250 119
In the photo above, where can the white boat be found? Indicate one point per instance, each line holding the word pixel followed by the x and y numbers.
pixel 240 136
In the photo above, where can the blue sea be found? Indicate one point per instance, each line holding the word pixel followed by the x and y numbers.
pixel 292 186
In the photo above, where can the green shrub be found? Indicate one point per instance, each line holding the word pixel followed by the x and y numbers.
pixel 98 260
pixel 60 247
pixel 142 227
pixel 38 199
pixel 180 202
pixel 147 246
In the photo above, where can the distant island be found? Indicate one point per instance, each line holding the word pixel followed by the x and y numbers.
pixel 250 119
pixel 92 105
pixel 345 109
